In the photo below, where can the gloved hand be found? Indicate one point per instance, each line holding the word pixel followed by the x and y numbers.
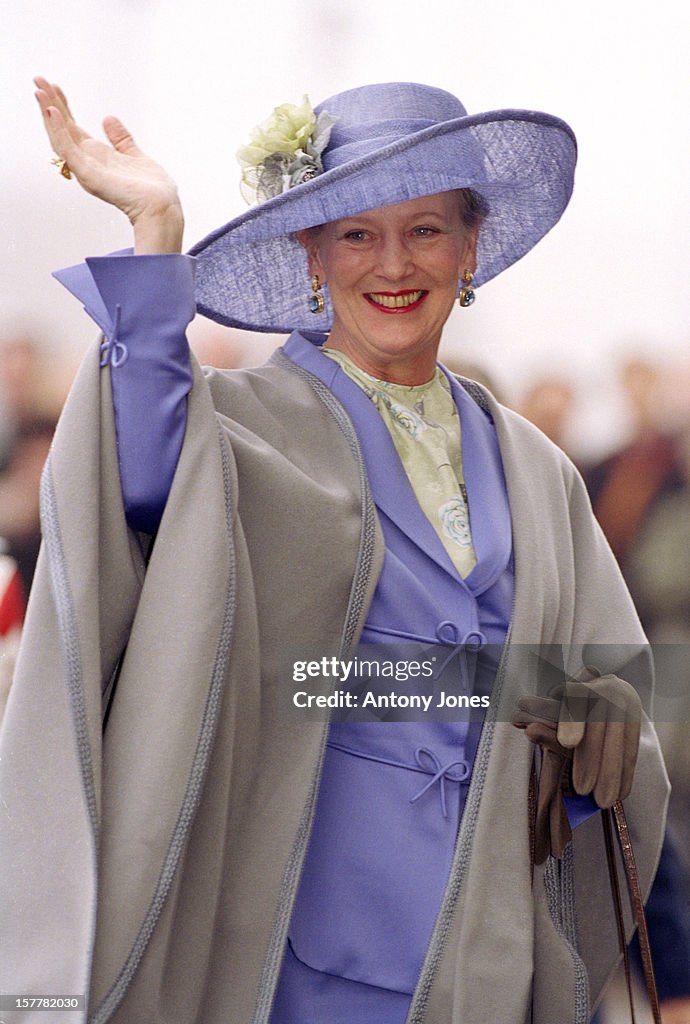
pixel 538 716
pixel 600 721
pixel 589 732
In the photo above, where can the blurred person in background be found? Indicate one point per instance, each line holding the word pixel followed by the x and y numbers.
pixel 658 570
pixel 641 497
pixel 656 563
pixel 12 607
pixel 641 494
pixel 627 485
pixel 548 403
pixel 228 348
pixel 454 362
pixel 31 397
pixel 651 529
pixel 29 408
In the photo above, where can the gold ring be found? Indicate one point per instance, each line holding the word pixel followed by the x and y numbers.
pixel 62 167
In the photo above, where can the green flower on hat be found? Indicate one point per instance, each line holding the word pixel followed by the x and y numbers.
pixel 284 150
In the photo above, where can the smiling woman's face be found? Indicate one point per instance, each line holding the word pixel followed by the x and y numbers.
pixel 392 275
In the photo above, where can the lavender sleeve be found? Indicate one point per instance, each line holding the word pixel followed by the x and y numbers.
pixel 143 305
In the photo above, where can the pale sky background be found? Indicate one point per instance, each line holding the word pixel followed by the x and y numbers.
pixel 191 80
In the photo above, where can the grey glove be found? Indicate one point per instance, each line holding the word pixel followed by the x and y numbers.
pixel 600 722
pixel 589 733
pixel 538 716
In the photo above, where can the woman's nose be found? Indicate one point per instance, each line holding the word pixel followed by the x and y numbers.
pixel 395 260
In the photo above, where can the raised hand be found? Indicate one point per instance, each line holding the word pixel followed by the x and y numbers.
pixel 115 171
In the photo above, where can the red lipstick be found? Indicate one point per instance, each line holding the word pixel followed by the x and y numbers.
pixel 396 302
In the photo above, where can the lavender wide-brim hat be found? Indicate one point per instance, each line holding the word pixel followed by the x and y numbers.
pixel 389 143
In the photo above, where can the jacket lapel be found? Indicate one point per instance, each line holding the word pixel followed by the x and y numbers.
pixel 487 494
pixel 388 481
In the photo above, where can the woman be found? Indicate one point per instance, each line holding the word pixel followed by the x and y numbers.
pixel 215 858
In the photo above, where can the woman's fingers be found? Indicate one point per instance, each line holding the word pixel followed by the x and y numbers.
pixel 43 101
pixel 54 95
pixel 55 128
pixel 587 758
pixel 531 708
pixel 63 102
pixel 67 137
pixel 54 122
pixel 119 137
pixel 51 97
pixel 89 159
pixel 115 171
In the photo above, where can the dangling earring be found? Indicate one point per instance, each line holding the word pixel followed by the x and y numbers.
pixel 316 301
pixel 467 295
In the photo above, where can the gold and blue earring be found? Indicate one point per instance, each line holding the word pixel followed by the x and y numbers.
pixel 317 302
pixel 467 294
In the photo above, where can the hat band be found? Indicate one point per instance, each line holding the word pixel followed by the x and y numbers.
pixel 354 142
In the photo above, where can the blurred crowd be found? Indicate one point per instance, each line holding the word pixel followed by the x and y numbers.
pixel 32 390
pixel 639 485
pixel 640 493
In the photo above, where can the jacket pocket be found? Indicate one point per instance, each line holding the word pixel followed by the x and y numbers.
pixel 376 869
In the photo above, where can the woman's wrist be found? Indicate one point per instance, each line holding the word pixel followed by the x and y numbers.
pixel 159 232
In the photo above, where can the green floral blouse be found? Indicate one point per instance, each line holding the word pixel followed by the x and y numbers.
pixel 424 424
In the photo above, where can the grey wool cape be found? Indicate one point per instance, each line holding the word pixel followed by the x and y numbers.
pixel 153 867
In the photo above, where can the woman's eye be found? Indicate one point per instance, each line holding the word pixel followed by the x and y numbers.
pixel 356 236
pixel 423 231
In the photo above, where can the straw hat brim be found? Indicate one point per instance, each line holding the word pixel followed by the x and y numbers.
pixel 252 273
